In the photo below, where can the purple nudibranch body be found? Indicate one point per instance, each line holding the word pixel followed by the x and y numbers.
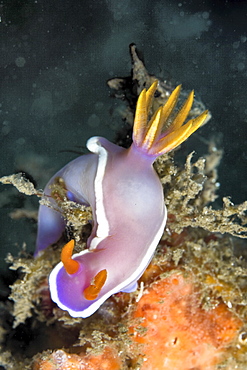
pixel 129 213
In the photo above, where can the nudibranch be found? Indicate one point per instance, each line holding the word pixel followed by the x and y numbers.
pixel 126 197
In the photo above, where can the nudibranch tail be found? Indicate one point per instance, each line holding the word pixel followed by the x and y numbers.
pixel 149 137
pixel 93 290
pixel 71 266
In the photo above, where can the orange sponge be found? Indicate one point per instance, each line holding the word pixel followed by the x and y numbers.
pixel 108 360
pixel 176 332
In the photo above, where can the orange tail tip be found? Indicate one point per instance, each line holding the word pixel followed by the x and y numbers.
pixel 71 266
pixel 148 136
pixel 93 290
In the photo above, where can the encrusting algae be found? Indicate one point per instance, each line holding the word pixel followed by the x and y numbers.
pixel 190 309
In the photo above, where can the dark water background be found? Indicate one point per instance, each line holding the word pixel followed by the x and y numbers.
pixel 56 57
